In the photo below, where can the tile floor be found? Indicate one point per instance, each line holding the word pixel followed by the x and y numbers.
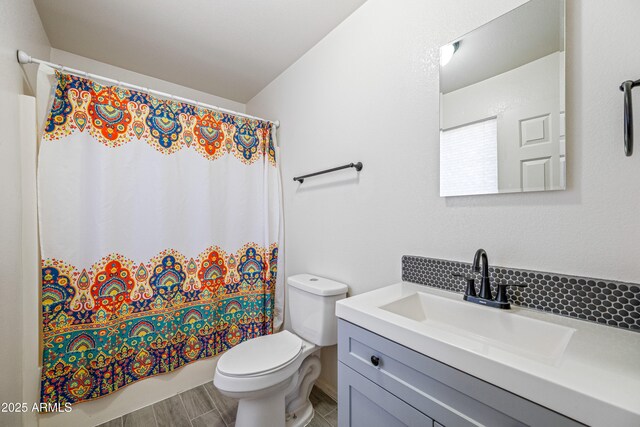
pixel 204 406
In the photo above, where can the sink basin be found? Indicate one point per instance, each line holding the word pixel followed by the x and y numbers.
pixel 485 329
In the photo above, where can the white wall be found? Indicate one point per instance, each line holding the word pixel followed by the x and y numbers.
pixel 369 92
pixel 20 28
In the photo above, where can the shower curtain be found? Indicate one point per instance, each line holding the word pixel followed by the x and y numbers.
pixel 159 229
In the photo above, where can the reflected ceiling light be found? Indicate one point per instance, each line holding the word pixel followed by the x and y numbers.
pixel 446 53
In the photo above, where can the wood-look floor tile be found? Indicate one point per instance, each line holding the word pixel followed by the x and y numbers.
pixel 117 422
pixel 318 421
pixel 226 405
pixel 141 418
pixel 322 403
pixel 210 419
pixel 171 413
pixel 332 418
pixel 197 402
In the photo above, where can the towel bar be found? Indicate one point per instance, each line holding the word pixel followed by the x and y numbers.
pixel 358 167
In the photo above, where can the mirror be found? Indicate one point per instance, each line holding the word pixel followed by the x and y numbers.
pixel 502 98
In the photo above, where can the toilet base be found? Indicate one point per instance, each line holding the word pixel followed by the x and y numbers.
pixel 267 411
pixel 301 418
pixel 299 409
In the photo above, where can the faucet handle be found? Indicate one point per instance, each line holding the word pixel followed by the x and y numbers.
pixel 471 284
pixel 501 295
pixel 511 284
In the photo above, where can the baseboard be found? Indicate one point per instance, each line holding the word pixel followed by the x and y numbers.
pixel 327 388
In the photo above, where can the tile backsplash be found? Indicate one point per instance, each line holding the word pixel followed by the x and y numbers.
pixel 603 301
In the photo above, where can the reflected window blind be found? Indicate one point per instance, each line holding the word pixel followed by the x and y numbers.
pixel 469 159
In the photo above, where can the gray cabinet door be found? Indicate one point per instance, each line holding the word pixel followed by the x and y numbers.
pixel 447 395
pixel 364 404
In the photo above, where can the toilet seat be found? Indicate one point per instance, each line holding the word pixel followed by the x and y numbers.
pixel 261 356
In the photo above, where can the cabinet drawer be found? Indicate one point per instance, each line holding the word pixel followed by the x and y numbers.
pixel 364 404
pixel 447 395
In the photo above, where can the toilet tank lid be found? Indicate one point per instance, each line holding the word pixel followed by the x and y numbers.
pixel 317 285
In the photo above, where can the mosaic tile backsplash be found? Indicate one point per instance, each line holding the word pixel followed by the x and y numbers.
pixel 597 300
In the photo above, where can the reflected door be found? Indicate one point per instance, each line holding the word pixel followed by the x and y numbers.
pixel 531 148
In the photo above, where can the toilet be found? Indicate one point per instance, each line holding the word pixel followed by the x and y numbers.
pixel 272 375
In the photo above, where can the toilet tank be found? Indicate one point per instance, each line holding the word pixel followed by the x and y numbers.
pixel 312 307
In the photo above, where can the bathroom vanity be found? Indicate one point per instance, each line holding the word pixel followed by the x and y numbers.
pixel 414 355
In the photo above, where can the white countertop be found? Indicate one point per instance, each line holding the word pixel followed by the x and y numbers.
pixel 596 381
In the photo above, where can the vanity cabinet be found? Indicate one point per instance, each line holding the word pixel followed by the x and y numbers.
pixel 382 383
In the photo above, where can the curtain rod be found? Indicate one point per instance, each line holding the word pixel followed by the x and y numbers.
pixel 24 58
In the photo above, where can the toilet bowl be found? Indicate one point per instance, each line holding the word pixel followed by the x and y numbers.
pixel 266 376
pixel 272 375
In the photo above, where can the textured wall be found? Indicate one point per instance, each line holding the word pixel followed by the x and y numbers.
pixel 369 92
pixel 20 28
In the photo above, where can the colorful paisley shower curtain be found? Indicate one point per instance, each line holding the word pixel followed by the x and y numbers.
pixel 159 225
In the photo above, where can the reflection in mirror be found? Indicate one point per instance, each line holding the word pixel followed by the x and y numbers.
pixel 502 103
